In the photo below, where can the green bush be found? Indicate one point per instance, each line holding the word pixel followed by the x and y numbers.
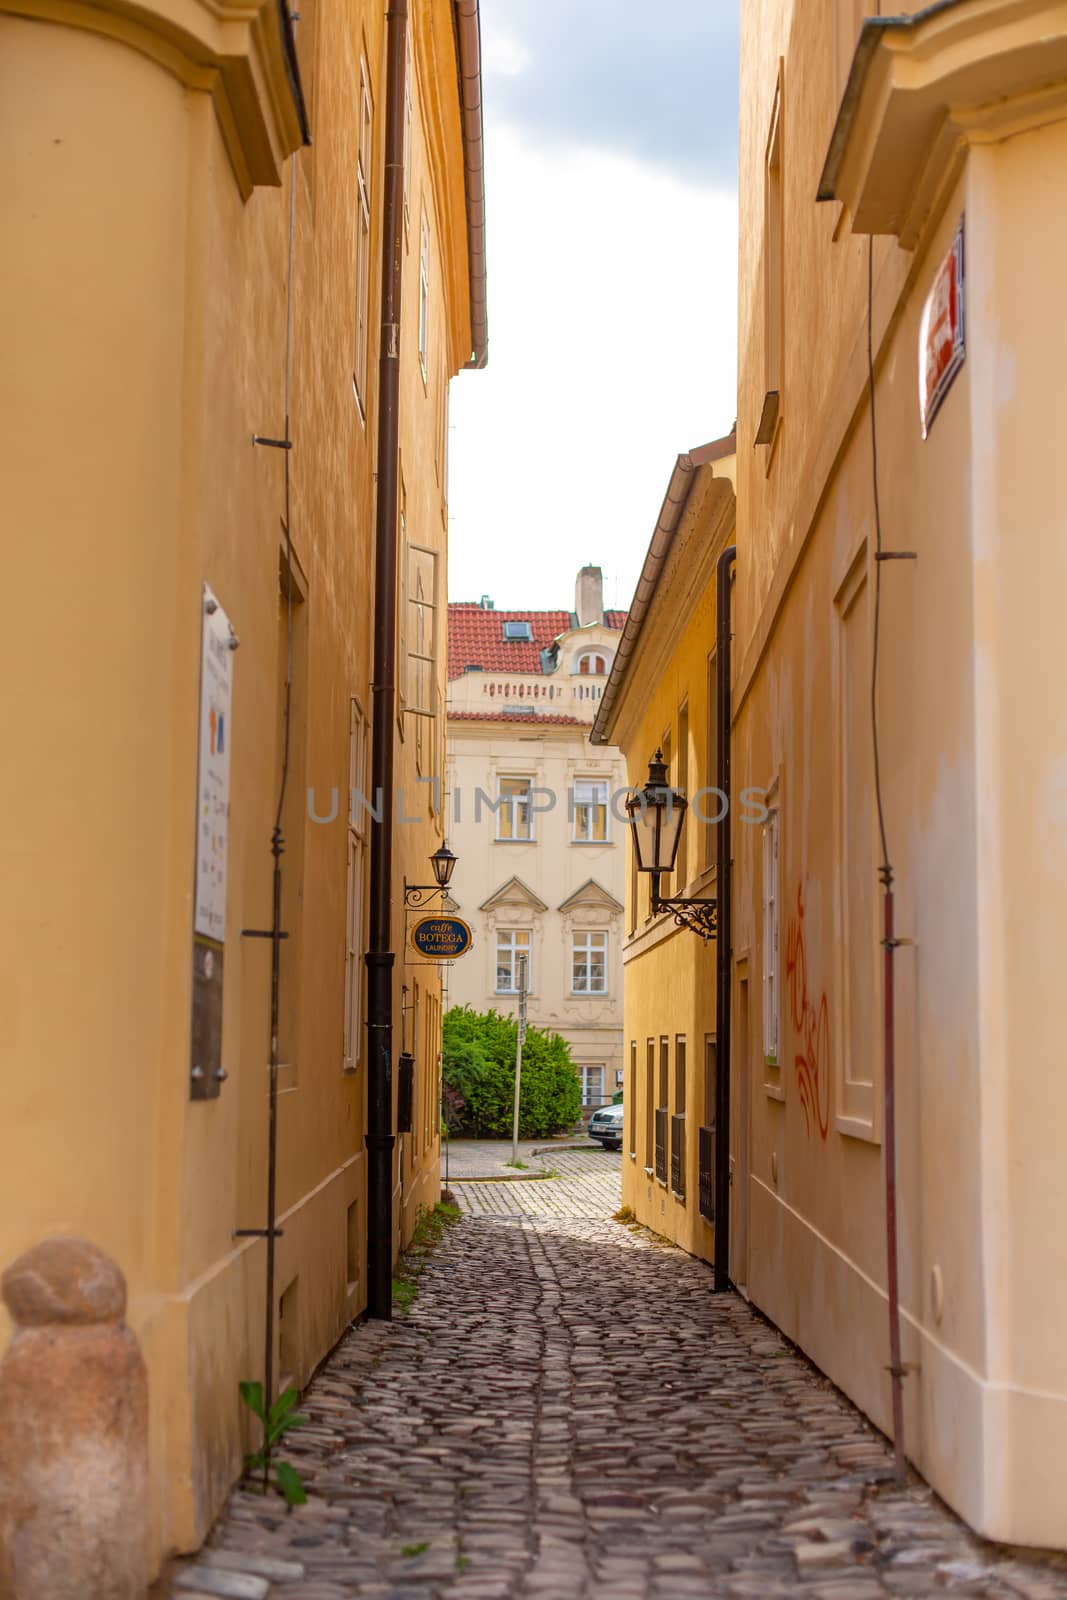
pixel 478 1064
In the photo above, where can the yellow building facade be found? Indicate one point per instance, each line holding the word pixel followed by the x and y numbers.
pixel 936 143
pixel 195 237
pixel 662 697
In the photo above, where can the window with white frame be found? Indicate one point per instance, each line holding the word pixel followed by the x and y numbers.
pixel 591 661
pixel 771 900
pixel 590 811
pixel 589 963
pixel 592 1080
pixel 424 293
pixel 363 252
pixel 511 943
pixel 356 869
pixel 514 815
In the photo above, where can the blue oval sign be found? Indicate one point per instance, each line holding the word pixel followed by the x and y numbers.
pixel 441 938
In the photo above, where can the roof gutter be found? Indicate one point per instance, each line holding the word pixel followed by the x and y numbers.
pixel 469 48
pixel 674 504
pixel 292 68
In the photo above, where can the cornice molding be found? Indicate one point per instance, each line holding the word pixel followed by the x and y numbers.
pixel 436 70
pixel 513 893
pixel 924 88
pixel 234 50
pixel 592 896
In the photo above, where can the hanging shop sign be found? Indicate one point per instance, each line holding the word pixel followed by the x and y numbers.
pixel 441 938
pixel 942 342
pixel 218 642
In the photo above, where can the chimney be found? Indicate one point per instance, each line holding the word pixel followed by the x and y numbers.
pixel 589 596
pixel 485 603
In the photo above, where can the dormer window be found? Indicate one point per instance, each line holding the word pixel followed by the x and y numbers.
pixel 518 630
pixel 592 663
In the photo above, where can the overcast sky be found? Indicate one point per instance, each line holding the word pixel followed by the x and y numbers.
pixel 611 161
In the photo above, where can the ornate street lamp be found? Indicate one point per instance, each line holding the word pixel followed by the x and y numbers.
pixel 656 816
pixel 443 861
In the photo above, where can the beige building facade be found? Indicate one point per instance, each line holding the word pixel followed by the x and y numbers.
pixel 534 816
pixel 194 241
pixel 901 523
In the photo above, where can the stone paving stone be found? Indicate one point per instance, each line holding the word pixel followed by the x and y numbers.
pixel 259 1565
pixel 222 1584
pixel 567 1413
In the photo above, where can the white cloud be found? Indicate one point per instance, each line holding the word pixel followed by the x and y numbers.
pixel 504 56
pixel 612 347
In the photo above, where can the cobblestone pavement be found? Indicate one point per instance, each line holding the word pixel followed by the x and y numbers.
pixel 589 1185
pixel 567 1411
pixel 490 1158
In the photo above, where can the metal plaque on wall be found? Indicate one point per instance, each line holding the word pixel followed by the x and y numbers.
pixel 218 643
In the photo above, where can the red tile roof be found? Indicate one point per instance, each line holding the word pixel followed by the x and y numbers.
pixel 519 716
pixel 476 637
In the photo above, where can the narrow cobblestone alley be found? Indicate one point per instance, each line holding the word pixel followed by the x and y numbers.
pixel 567 1410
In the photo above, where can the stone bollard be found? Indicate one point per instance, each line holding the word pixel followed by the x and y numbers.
pixel 73 1431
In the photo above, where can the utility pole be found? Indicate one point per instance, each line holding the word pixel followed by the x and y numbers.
pixel 518 1061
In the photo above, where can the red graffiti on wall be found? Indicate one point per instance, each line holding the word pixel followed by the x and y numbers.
pixel 812 1026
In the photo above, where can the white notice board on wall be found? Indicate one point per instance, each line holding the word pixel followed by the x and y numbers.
pixel 213 782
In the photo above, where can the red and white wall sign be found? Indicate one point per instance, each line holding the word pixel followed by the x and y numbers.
pixel 942 344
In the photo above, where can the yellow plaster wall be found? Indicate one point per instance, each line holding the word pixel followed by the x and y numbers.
pixel 970 763
pixel 149 347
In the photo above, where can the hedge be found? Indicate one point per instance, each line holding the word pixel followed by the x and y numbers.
pixel 478 1066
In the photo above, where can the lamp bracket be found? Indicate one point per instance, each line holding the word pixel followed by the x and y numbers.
pixel 699 916
pixel 417 894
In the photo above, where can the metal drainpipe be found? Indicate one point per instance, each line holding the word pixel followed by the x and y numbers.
pixel 722 941
pixel 380 957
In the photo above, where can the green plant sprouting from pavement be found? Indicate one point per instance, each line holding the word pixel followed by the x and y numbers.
pixel 428 1230
pixel 278 1421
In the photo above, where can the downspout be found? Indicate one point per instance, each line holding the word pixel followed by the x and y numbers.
pixel 380 956
pixel 723 950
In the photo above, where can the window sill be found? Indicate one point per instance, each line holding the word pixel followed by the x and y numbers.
pixel 772 448
pixel 531 840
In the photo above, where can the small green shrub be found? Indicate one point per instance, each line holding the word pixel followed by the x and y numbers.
pixel 478 1065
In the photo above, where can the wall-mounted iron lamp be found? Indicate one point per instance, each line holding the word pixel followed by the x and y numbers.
pixel 443 862
pixel 656 815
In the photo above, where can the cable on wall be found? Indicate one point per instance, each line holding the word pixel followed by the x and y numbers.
pixel 277 848
pixel 889 940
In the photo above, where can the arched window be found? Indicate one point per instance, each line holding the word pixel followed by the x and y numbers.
pixel 592 663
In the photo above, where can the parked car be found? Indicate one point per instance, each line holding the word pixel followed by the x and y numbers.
pixel 605 1126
